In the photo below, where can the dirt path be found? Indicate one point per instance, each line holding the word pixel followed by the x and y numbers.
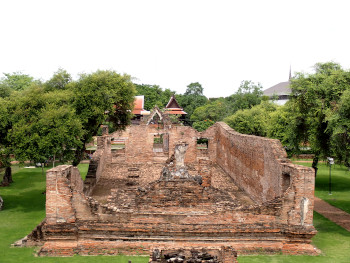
pixel 334 214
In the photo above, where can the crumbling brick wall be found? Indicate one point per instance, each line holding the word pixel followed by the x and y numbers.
pixel 139 142
pixel 101 158
pixel 251 197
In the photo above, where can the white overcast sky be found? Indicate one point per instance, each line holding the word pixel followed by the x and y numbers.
pixel 173 43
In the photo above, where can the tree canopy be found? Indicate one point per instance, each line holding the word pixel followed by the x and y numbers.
pixel 254 121
pixel 15 81
pixel 100 96
pixel 60 79
pixel 44 120
pixel 313 96
pixel 43 125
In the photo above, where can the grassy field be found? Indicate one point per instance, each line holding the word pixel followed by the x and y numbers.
pixel 25 208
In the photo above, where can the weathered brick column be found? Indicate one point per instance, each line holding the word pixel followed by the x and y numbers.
pixel 59 207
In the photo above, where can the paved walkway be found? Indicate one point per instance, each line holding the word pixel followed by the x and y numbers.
pixel 334 214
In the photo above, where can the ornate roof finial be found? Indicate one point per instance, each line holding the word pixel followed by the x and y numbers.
pixel 290 72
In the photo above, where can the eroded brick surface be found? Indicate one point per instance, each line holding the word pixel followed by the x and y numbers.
pixel 241 192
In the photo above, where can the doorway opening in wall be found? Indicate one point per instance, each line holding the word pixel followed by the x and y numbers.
pixel 202 143
pixel 285 181
pixel 158 143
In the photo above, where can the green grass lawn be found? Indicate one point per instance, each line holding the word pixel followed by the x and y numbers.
pixel 340 185
pixel 25 208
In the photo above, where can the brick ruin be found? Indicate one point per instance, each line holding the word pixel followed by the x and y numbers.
pixel 164 191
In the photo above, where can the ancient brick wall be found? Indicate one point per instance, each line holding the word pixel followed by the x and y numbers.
pixel 255 163
pixel 59 184
pixel 249 196
pixel 101 158
pixel 139 142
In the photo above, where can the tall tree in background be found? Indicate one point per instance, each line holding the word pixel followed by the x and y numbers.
pixel 98 96
pixel 313 95
pixel 60 79
pixel 214 111
pixel 254 121
pixel 339 123
pixel 15 81
pixel 248 95
pixel 192 99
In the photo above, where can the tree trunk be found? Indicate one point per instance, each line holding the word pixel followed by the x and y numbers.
pixel 79 153
pixel 7 180
pixel 315 163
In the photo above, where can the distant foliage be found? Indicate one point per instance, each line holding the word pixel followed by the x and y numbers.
pixel 254 121
pixel 15 81
pixel 203 125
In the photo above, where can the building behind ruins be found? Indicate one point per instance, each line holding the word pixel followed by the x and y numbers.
pixel 168 190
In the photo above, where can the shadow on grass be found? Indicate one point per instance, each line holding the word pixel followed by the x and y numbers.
pixel 326 228
pixel 25 194
pixel 26 201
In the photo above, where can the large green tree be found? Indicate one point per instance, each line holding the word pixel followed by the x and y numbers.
pixel 60 79
pixel 215 111
pixel 339 123
pixel 248 95
pixel 254 121
pixel 43 125
pixel 38 123
pixel 313 95
pixel 192 99
pixel 101 96
pixel 15 81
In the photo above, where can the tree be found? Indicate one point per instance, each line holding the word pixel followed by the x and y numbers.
pixel 313 95
pixel 214 111
pixel 4 143
pixel 252 121
pixel 203 125
pixel 100 96
pixel 248 95
pixel 278 124
pixel 60 79
pixel 43 125
pixel 17 81
pixel 339 123
pixel 195 89
pixel 192 99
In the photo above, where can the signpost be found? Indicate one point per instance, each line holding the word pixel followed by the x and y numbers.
pixel 330 162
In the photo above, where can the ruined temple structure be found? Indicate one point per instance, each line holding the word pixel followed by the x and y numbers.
pixel 164 191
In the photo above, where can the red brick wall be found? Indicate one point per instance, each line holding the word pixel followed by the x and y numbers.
pixel 59 183
pixel 139 142
pixel 183 213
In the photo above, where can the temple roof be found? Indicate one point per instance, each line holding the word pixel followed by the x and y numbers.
pixel 173 107
pixel 138 106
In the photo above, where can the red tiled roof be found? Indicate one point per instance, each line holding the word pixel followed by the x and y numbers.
pixel 138 103
pixel 174 111
pixel 173 107
pixel 138 106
